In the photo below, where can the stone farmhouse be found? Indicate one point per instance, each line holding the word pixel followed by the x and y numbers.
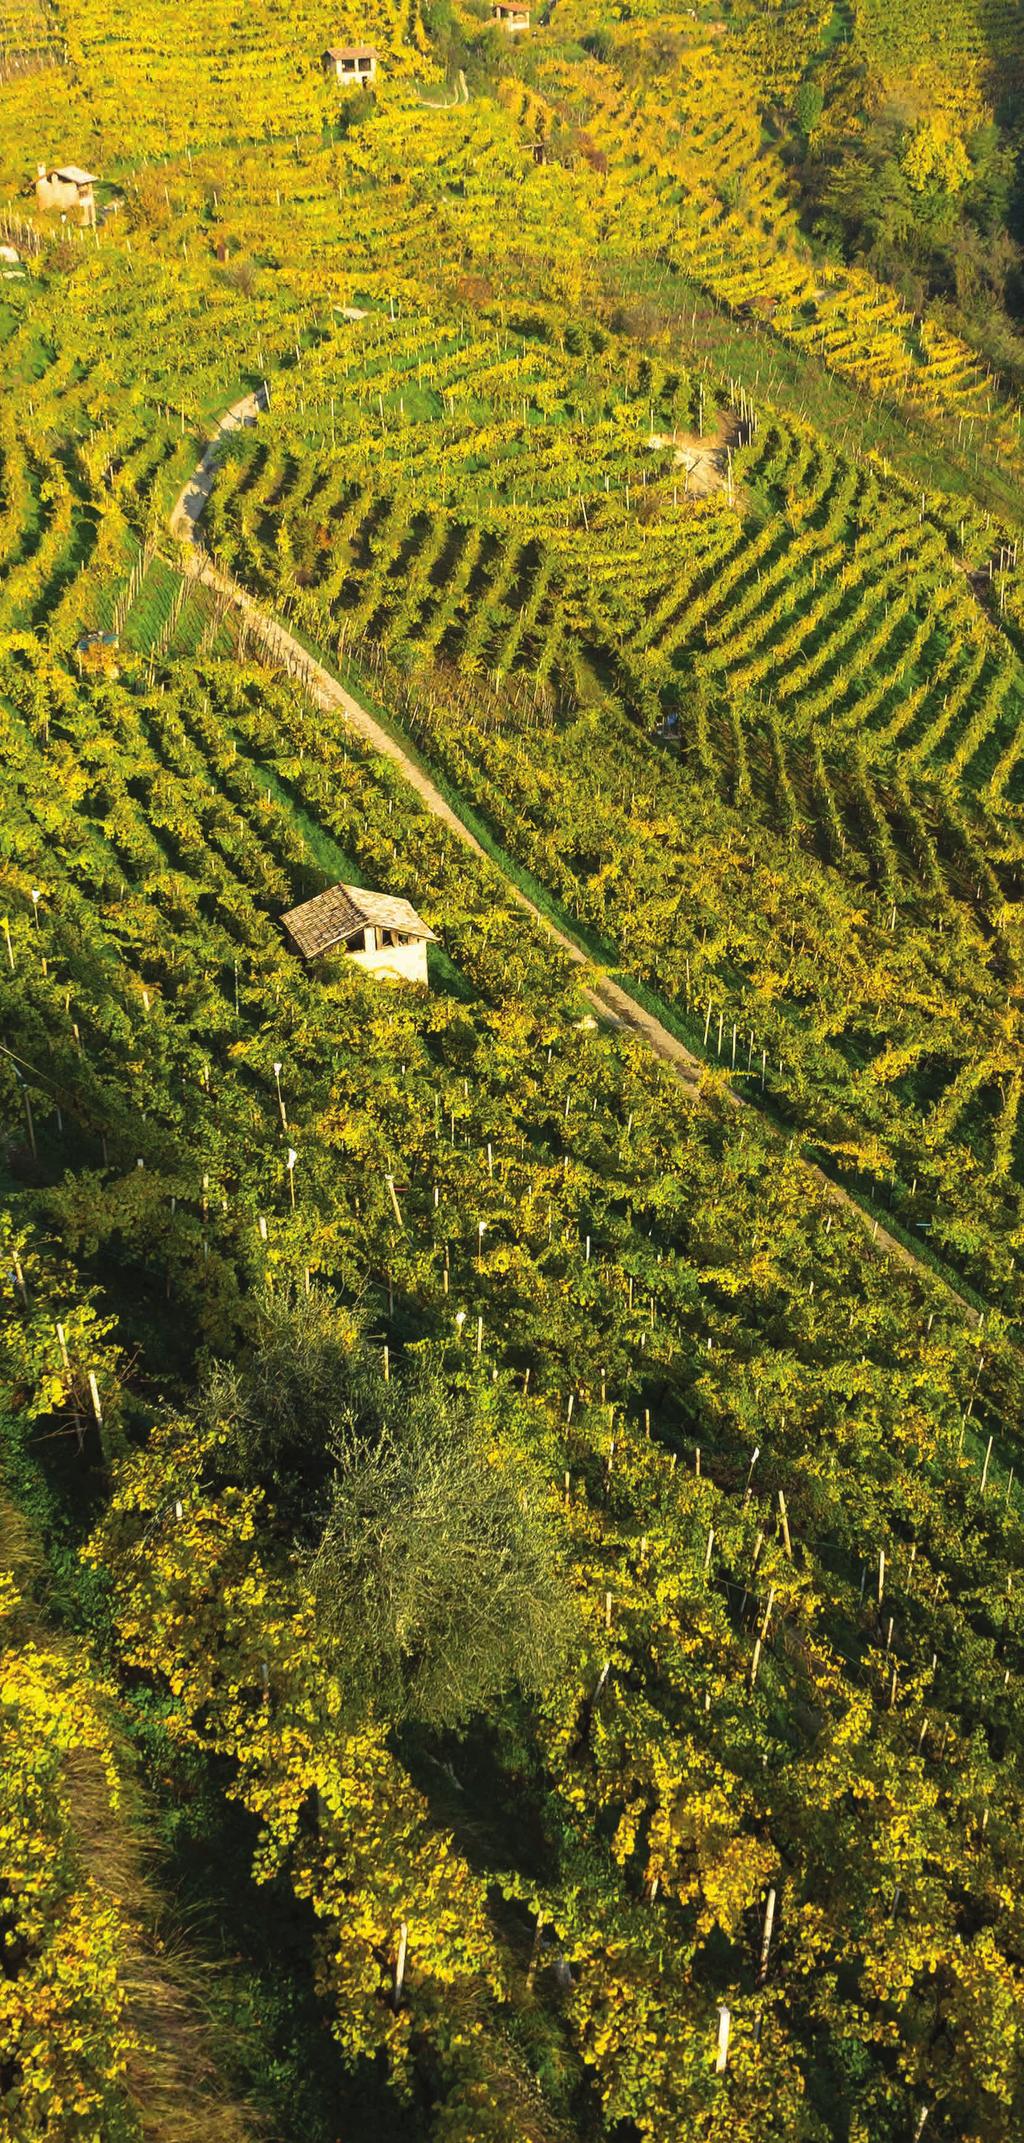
pixel 377 931
pixel 354 66
pixel 67 189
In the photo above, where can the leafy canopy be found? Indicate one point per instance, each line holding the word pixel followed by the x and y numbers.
pixel 438 1577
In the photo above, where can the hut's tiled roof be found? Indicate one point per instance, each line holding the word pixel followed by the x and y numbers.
pixel 342 912
pixel 350 52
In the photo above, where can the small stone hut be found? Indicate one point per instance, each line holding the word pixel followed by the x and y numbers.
pixel 510 15
pixel 377 931
pixel 67 188
pixel 351 65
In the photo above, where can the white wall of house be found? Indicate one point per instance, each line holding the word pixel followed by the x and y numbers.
pixel 397 963
pixel 63 194
pixel 357 73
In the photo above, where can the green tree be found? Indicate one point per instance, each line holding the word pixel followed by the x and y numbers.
pixel 437 1577
pixel 281 1400
pixel 808 105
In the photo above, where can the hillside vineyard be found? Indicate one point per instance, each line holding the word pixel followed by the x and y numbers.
pixel 511 1072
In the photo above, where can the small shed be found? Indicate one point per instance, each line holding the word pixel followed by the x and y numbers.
pixel 67 188
pixel 378 931
pixel 351 65
pixel 510 15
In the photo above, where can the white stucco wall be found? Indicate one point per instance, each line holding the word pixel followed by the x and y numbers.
pixel 354 77
pixel 54 193
pixel 397 963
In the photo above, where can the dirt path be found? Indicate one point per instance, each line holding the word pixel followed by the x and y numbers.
pixel 189 507
pixel 608 998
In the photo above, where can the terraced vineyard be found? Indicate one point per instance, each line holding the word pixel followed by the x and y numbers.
pixel 160 997
pixel 686 172
pixel 642 545
pixel 831 597
pixel 986 32
pixel 31 39
pixel 512 1488
pixel 130 92
pixel 802 650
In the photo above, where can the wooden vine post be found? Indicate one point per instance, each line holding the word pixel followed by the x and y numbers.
pixel 399 1980
pixel 724 2028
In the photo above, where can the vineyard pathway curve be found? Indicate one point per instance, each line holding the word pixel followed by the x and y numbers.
pixel 609 1000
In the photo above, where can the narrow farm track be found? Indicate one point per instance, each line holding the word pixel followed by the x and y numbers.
pixel 609 1000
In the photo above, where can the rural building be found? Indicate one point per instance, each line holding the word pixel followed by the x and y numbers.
pixel 374 930
pixel 68 188
pixel 511 15
pixel 351 64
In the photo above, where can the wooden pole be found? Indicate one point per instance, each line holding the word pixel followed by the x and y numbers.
pixel 785 1525
pixel 722 2054
pixel 766 1937
pixel 403 1946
